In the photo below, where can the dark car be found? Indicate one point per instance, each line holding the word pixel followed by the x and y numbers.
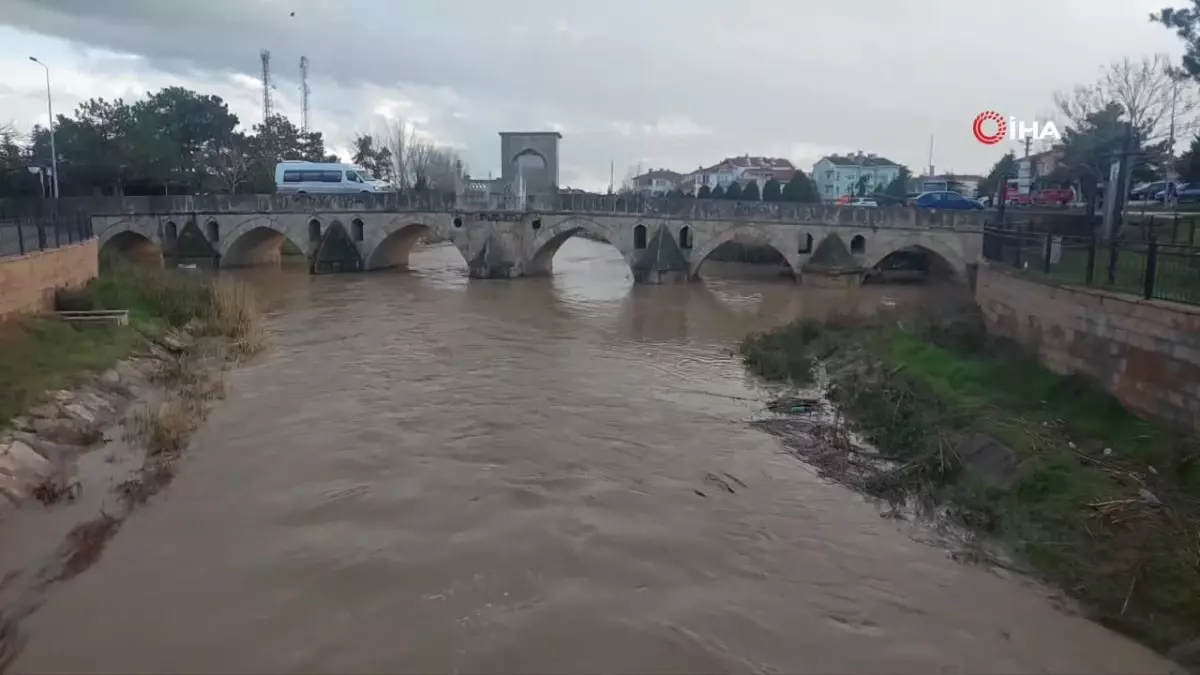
pixel 1184 193
pixel 948 201
pixel 1147 192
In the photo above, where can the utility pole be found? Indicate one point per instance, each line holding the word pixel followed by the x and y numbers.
pixel 50 112
pixel 265 55
pixel 304 90
pixel 930 155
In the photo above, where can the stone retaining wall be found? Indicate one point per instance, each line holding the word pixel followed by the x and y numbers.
pixel 27 282
pixel 1145 352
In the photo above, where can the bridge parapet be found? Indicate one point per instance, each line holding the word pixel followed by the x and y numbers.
pixel 689 209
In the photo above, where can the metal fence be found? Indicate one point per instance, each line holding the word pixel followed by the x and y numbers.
pixel 37 230
pixel 1151 268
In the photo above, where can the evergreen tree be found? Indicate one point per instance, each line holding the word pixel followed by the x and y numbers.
pixel 771 191
pixel 733 192
pixel 704 192
pixel 717 192
pixel 750 192
pixel 800 189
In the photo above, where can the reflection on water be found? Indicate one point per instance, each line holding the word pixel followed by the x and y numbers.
pixel 436 474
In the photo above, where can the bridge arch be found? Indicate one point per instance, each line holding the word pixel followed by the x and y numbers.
pixel 757 235
pixel 389 246
pixel 944 256
pixel 551 238
pixel 131 246
pixel 254 242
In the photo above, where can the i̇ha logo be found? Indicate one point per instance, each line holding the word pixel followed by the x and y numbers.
pixel 990 128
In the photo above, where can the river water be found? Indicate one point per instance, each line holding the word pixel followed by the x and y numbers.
pixel 430 474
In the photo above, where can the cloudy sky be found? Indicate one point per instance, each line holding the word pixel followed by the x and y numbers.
pixel 655 83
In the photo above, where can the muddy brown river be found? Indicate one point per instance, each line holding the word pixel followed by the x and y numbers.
pixel 440 475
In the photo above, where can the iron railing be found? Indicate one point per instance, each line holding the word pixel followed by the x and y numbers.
pixel 1150 268
pixel 37 229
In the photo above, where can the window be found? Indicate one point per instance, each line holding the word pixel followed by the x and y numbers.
pixel 291 176
pixel 828 189
pixel 685 237
pixel 639 237
pixel 331 176
pixel 356 230
pixel 858 244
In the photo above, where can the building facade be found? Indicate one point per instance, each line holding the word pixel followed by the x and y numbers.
pixel 743 170
pixel 838 176
pixel 656 182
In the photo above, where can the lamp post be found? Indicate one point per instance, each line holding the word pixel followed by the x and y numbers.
pixel 50 111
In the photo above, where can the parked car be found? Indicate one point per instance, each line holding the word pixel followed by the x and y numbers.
pixel 1146 192
pixel 864 201
pixel 1054 197
pixel 1186 192
pixel 949 201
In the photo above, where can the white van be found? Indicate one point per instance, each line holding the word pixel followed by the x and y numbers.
pixel 300 177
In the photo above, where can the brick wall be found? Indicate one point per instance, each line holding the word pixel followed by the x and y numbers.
pixel 1145 352
pixel 27 282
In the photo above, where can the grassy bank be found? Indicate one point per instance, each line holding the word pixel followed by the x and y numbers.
pixel 42 353
pixel 1100 502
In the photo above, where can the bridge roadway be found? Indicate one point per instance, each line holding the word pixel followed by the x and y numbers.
pixel 660 239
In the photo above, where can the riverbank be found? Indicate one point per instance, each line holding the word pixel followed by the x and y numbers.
pixel 940 418
pixel 137 391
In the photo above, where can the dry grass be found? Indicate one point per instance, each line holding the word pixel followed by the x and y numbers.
pixel 234 314
pixel 164 429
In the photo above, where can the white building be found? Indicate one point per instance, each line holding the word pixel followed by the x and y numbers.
pixel 838 175
pixel 656 182
pixel 744 169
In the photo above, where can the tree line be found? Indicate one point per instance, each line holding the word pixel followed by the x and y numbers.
pixel 177 141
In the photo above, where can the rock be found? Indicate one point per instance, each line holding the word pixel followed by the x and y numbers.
pixel 44 411
pixel 988 460
pixel 175 342
pixel 110 377
pixel 79 413
pixel 62 396
pixel 126 371
pixel 25 459
pixel 1149 497
pixel 21 423
pixel 11 489
pixel 67 431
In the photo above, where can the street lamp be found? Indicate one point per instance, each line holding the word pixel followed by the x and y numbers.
pixel 50 111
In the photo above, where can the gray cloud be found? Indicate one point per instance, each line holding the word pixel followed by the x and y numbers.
pixel 662 83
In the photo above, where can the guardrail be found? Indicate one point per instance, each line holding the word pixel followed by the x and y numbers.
pixel 32 230
pixel 1152 269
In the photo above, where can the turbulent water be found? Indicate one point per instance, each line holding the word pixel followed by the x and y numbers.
pixel 434 474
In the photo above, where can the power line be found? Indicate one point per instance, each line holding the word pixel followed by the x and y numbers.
pixel 304 91
pixel 265 55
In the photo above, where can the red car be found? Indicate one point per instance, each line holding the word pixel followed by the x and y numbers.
pixel 1054 197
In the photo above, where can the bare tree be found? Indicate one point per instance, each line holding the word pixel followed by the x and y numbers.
pixel 229 163
pixel 1146 90
pixel 418 161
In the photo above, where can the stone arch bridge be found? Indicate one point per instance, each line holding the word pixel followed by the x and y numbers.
pixel 659 245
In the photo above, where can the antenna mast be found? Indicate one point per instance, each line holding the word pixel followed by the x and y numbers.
pixel 304 90
pixel 265 55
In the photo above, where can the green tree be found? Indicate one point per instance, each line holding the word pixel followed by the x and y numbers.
pixel 1088 149
pixel 704 192
pixel 898 188
pixel 373 156
pixel 800 189
pixel 1003 168
pixel 15 178
pixel 771 191
pixel 750 192
pixel 1188 166
pixel 860 188
pixel 733 192
pixel 275 140
pixel 717 193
